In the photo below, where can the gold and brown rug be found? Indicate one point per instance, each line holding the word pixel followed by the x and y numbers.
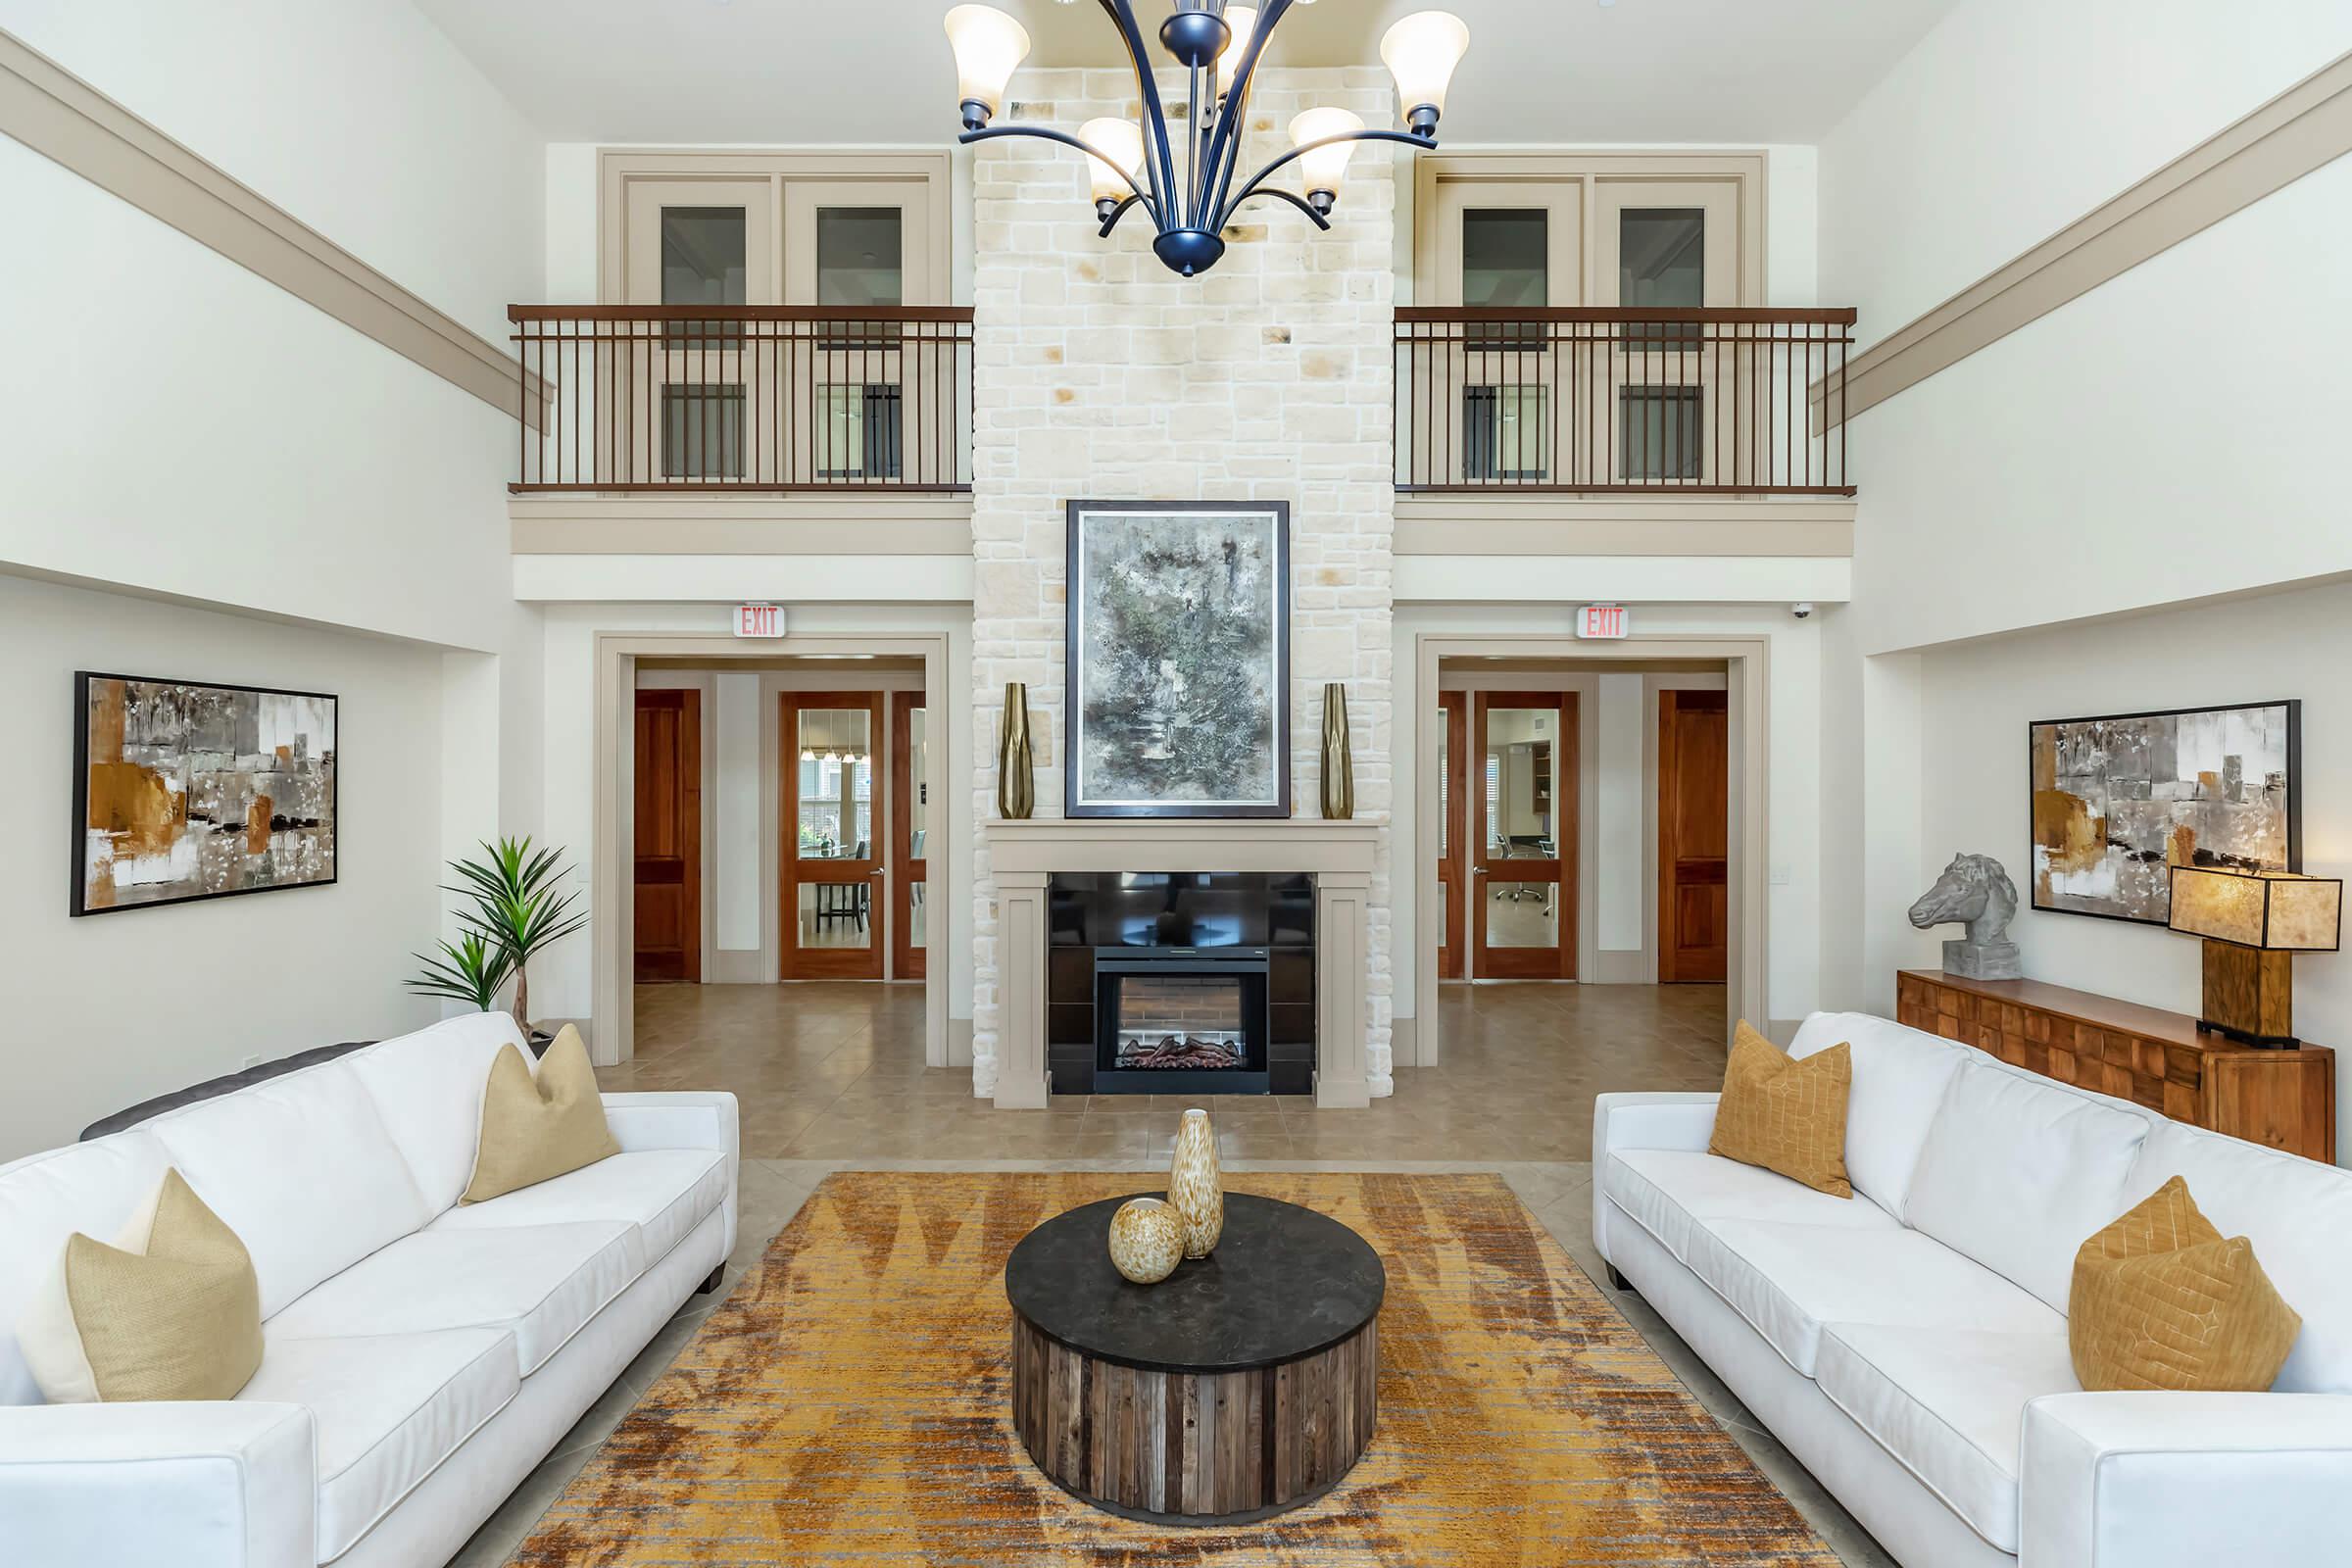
pixel 846 1406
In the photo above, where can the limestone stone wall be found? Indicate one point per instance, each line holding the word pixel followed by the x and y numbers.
pixel 1102 375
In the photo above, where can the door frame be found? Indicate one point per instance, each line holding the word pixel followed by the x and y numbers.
pixel 906 961
pixel 609 853
pixel 1660 880
pixel 870 963
pixel 1567 781
pixel 688 701
pixel 1453 866
pixel 1747 659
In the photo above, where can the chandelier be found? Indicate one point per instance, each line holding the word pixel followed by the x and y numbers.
pixel 1219 45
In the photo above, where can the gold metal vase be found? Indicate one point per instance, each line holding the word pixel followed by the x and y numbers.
pixel 1016 779
pixel 1339 758
pixel 1195 1187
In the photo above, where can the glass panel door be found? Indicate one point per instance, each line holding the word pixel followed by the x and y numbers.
pixel 833 911
pixel 910 827
pixel 862 250
pixel 691 401
pixel 1523 831
pixel 1672 246
pixel 1509 246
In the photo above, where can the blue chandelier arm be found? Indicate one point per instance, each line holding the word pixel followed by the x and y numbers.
pixel 1258 181
pixel 1121 211
pixel 1162 175
pixel 1276 191
pixel 1049 134
pixel 1225 147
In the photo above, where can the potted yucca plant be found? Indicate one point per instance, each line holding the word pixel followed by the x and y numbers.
pixel 518 908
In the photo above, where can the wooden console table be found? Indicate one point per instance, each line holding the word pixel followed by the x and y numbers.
pixel 2281 1098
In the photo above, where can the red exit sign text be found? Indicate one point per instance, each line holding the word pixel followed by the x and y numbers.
pixel 1601 620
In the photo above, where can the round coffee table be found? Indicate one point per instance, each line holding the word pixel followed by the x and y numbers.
pixel 1240 1386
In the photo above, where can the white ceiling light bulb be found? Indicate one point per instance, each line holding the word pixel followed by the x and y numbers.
pixel 1325 167
pixel 1243 20
pixel 1421 52
pixel 1121 141
pixel 989 47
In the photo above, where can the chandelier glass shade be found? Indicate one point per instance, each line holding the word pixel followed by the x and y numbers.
pixel 1184 175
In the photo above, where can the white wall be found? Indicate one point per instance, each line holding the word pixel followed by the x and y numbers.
pixel 109 1009
pixel 1976 702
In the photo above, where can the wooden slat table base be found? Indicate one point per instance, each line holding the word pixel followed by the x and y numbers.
pixel 1180 1447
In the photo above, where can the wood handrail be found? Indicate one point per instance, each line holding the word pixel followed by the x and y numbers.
pixel 1440 315
pixel 877 313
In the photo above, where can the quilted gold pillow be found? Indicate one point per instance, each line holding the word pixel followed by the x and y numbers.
pixel 1784 1114
pixel 535 1129
pixel 2161 1299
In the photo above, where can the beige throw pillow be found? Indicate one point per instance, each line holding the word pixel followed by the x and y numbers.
pixel 172 1310
pixel 1784 1114
pixel 2162 1300
pixel 534 1130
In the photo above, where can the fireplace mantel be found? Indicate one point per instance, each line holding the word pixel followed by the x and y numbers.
pixel 1024 856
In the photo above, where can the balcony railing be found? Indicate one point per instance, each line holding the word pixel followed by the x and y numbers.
pixel 749 398
pixel 1591 399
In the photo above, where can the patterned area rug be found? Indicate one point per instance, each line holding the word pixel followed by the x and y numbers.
pixel 846 1406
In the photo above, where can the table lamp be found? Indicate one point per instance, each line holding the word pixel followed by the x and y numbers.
pixel 2253 923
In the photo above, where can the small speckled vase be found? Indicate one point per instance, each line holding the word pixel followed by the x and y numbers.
pixel 1146 1240
pixel 1195 1187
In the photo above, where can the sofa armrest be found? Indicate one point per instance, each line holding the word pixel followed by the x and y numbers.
pixel 2154 1480
pixel 225 1484
pixel 1681 1121
pixel 673 1119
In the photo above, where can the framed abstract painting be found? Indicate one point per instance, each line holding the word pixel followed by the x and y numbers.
pixel 1179 660
pixel 2120 799
pixel 185 791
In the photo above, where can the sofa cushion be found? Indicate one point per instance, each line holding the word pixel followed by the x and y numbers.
pixel 1669 1193
pixel 1790 1280
pixel 2017 1173
pixel 1949 1405
pixel 2298 1214
pixel 93 1188
pixel 1899 1076
pixel 660 1193
pixel 541 1283
pixel 429 1087
pixel 389 1408
pixel 303 1169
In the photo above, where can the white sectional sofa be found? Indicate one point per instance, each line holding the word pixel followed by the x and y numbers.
pixel 421 1358
pixel 1909 1345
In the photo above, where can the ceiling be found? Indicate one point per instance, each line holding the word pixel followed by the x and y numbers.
pixel 801 72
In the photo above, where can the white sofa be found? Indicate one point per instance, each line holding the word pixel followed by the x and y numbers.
pixel 1909 1345
pixel 421 1358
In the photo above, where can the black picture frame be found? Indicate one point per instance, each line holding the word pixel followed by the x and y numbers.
pixel 1073 671
pixel 77 903
pixel 2294 792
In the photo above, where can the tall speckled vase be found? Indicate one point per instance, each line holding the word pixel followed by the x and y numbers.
pixel 1195 1187
pixel 1016 779
pixel 1338 755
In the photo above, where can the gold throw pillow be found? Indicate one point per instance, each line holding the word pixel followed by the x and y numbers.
pixel 1784 1114
pixel 535 1129
pixel 174 1312
pixel 2161 1299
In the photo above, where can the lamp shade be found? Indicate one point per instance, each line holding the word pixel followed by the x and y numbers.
pixel 1121 142
pixel 1325 167
pixel 1243 20
pixel 1421 52
pixel 989 47
pixel 2279 911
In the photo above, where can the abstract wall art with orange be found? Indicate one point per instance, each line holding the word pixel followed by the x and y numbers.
pixel 189 791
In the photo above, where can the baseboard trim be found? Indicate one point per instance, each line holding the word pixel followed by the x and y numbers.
pixel 74 124
pixel 959 1042
pixel 2303 128
pixel 735 966
pixel 1404 1041
pixel 1619 967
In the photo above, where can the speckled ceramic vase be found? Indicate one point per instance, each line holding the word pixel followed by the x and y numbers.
pixel 1195 1188
pixel 1146 1240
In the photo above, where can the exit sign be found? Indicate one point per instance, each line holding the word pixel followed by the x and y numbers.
pixel 759 620
pixel 1601 620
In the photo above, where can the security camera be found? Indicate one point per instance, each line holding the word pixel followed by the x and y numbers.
pixel 1802 610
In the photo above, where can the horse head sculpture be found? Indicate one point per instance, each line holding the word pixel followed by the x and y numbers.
pixel 1976 892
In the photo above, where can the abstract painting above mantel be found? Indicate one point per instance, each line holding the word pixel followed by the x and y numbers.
pixel 2120 799
pixel 184 790
pixel 1179 660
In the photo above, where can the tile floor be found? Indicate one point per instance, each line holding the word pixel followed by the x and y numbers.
pixel 832 1079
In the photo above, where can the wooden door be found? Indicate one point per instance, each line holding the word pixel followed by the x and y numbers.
pixel 669 836
pixel 1452 833
pixel 1695 753
pixel 1523 836
pixel 835 912
pixel 911 818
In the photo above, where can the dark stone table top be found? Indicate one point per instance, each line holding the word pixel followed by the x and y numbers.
pixel 1283 1282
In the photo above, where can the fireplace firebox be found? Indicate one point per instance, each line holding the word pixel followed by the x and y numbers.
pixel 1181 1020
